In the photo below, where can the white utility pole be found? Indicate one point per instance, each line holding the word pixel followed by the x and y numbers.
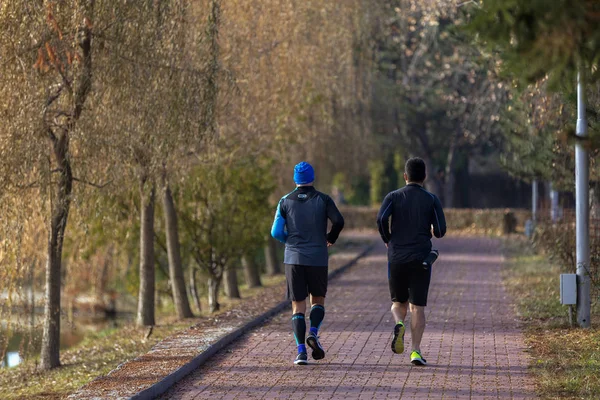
pixel 534 200
pixel 582 189
pixel 554 208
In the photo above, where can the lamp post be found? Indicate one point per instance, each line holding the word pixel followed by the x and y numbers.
pixel 582 177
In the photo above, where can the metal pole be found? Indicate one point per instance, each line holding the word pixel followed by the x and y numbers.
pixel 582 212
pixel 534 200
pixel 553 203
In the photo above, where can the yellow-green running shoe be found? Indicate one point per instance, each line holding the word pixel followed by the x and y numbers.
pixel 398 338
pixel 417 359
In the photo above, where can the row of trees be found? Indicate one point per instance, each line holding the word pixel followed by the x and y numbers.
pixel 482 79
pixel 162 133
pixel 108 107
pixel 438 95
pixel 543 49
pixel 540 49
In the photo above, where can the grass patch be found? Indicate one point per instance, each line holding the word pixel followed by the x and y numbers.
pixel 96 355
pixel 566 361
pixel 101 352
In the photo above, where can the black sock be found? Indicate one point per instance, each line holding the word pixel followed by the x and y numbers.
pixel 317 313
pixel 299 327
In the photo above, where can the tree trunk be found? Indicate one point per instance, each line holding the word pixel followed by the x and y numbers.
pixel 31 277
pixel 378 182
pixel 273 267
pixel 432 182
pixel 180 298
pixel 232 288
pixel 594 200
pixel 449 187
pixel 50 354
pixel 399 162
pixel 213 294
pixel 251 272
pixel 145 314
pixel 194 289
pixel 450 172
pixel 466 185
pixel 102 277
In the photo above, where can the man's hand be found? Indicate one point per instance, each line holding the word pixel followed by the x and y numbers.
pixel 329 244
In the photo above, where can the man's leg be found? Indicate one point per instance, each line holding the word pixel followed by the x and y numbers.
pixel 297 293
pixel 299 307
pixel 417 326
pixel 299 328
pixel 317 287
pixel 317 313
pixel 399 311
pixel 419 291
pixel 299 324
pixel 398 284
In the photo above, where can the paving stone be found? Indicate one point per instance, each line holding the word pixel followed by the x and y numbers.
pixel 472 342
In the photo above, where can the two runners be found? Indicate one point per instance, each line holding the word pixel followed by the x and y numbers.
pixel 415 214
pixel 301 223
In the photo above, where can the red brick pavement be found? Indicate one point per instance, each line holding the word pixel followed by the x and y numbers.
pixel 472 343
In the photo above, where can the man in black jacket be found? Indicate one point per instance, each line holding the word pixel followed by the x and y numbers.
pixel 301 223
pixel 415 214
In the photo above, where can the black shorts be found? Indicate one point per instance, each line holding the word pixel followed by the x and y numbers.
pixel 409 282
pixel 303 280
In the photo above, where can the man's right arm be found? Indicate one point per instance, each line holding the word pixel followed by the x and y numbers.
pixel 438 219
pixel 278 228
pixel 337 221
pixel 383 218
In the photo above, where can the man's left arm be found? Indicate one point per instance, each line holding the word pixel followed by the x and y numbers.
pixel 278 228
pixel 337 221
pixel 383 216
pixel 438 219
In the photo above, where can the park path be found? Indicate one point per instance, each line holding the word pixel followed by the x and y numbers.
pixel 472 342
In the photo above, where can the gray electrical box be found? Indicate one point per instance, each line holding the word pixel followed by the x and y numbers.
pixel 568 289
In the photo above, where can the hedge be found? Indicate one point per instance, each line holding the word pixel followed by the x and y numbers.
pixel 489 221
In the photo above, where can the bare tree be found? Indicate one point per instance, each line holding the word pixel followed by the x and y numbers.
pixel 251 271
pixel 232 287
pixel 182 305
pixel 273 264
pixel 56 43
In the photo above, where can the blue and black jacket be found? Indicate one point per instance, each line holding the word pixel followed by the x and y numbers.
pixel 413 211
pixel 301 223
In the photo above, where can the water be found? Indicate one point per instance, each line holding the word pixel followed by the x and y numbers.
pixel 11 359
pixel 26 342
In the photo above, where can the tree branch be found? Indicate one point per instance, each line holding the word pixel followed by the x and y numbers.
pixel 92 184
pixel 51 135
pixel 28 186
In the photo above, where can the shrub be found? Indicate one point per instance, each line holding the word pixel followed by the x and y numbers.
pixel 558 242
pixel 482 221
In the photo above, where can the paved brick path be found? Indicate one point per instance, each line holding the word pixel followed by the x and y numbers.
pixel 472 344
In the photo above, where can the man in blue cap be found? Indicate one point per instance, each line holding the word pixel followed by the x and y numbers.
pixel 301 223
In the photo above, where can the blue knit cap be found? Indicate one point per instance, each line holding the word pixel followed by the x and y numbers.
pixel 304 173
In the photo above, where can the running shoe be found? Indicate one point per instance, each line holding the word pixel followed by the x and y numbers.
pixel 398 339
pixel 301 359
pixel 417 359
pixel 312 341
